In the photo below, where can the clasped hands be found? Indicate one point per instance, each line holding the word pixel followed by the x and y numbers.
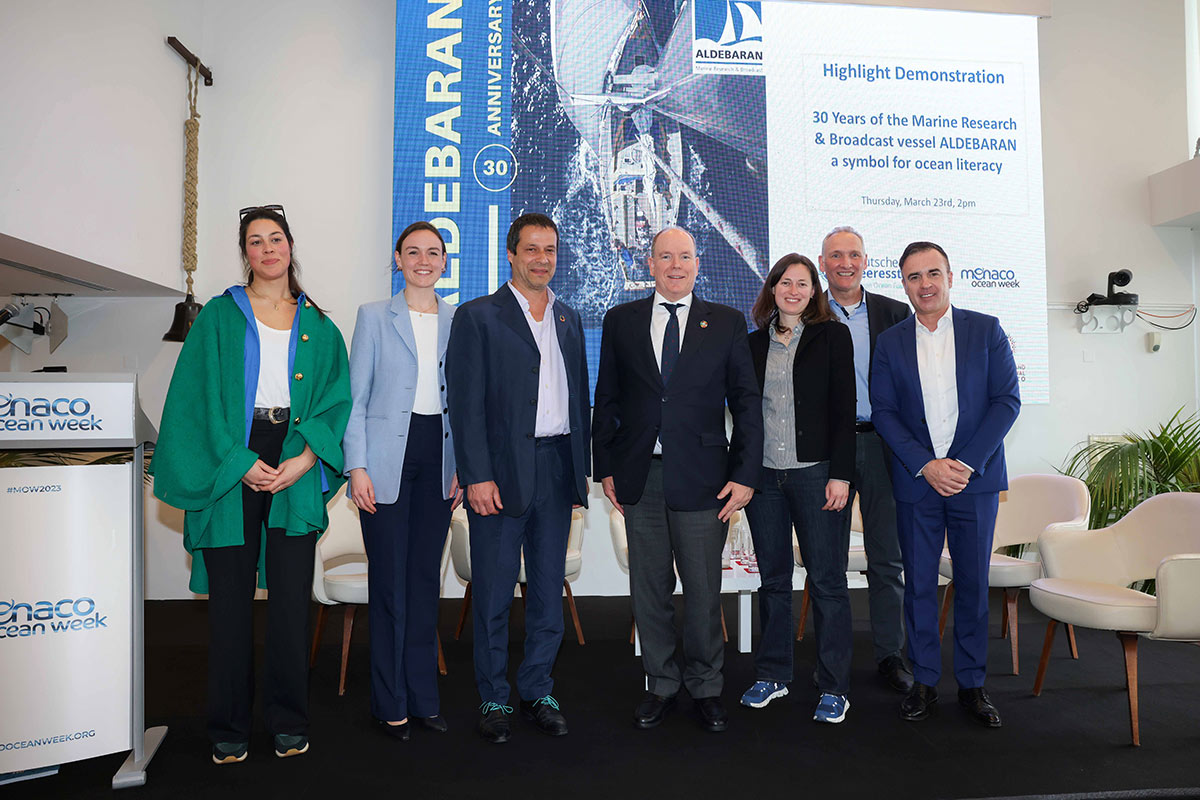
pixel 946 475
pixel 262 477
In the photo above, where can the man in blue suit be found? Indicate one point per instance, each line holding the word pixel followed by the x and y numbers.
pixel 517 388
pixel 943 396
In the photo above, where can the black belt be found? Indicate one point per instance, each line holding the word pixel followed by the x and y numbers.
pixel 275 414
pixel 552 439
pixel 863 427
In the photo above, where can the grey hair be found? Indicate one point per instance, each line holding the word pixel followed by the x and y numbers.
pixel 843 229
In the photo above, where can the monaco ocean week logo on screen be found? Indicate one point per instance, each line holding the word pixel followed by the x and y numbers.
pixel 727 37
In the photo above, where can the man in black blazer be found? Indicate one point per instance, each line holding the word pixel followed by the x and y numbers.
pixel 517 391
pixel 843 258
pixel 669 364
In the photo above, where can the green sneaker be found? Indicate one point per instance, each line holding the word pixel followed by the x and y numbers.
pixel 287 745
pixel 229 752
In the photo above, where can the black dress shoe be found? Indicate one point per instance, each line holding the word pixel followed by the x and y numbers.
pixel 712 714
pixel 652 710
pixel 395 731
pixel 434 723
pixel 918 703
pixel 545 715
pixel 979 706
pixel 493 723
pixel 895 674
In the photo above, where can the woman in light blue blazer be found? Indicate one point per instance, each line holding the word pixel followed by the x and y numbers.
pixel 400 461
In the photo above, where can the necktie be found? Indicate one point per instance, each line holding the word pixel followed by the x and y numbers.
pixel 670 346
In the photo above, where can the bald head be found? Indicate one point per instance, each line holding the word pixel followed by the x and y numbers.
pixel 673 263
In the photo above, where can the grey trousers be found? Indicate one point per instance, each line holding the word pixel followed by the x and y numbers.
pixel 660 541
pixel 873 483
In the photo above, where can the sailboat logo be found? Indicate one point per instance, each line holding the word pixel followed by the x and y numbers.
pixel 728 36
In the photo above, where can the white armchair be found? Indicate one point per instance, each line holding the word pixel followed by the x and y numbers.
pixel 1032 505
pixel 460 558
pixel 1088 574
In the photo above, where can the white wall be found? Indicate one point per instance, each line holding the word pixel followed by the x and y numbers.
pixel 301 113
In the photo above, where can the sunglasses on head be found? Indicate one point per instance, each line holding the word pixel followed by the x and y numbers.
pixel 278 209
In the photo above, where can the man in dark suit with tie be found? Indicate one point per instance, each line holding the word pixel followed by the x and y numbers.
pixel 669 364
pixel 944 392
pixel 517 391
pixel 867 314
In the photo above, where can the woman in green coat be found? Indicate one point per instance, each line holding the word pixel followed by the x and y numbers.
pixel 250 447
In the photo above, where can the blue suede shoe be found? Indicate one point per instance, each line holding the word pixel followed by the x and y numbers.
pixel 763 692
pixel 831 708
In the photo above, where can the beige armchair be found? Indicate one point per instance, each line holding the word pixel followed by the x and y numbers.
pixel 1033 504
pixel 460 557
pixel 1088 574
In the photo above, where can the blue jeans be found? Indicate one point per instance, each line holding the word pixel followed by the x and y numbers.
pixel 793 498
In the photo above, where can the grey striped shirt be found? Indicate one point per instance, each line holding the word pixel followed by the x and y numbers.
pixel 779 404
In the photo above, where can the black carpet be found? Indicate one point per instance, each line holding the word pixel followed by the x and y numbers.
pixel 1071 741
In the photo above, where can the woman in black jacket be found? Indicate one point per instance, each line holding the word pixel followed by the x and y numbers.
pixel 805 365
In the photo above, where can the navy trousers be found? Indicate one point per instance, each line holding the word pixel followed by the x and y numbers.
pixel 966 522
pixel 404 543
pixel 497 541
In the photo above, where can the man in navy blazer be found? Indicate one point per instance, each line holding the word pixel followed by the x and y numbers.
pixel 517 388
pixel 944 392
pixel 669 364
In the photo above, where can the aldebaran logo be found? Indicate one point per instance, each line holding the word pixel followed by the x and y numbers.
pixel 19 620
pixel 39 414
pixel 727 37
pixel 986 278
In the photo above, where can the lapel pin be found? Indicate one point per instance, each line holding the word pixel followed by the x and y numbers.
pixel 562 317
pixel 703 323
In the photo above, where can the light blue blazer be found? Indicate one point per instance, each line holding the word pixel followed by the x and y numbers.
pixel 383 387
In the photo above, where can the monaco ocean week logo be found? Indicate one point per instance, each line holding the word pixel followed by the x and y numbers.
pixel 19 620
pixel 727 37
pixel 40 414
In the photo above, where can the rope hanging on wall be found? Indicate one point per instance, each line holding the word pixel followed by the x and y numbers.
pixel 191 134
pixel 186 312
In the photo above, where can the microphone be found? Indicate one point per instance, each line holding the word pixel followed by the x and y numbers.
pixel 9 311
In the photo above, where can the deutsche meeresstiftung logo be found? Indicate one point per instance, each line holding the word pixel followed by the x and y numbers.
pixel 727 37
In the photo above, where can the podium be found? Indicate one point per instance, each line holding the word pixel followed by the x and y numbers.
pixel 72 578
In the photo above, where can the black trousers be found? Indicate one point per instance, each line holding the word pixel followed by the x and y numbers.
pixel 232 580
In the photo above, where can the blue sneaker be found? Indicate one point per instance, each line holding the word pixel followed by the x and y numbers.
pixel 763 692
pixel 831 708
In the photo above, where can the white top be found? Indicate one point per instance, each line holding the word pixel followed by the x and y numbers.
pixel 428 399
pixel 939 374
pixel 658 330
pixel 272 367
pixel 553 400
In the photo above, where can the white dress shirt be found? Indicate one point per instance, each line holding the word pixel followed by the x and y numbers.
pixel 938 373
pixel 553 398
pixel 658 331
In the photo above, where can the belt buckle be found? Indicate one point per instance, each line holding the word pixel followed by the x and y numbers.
pixel 276 415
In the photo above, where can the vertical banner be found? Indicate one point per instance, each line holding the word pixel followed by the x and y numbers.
pixel 65 613
pixel 454 165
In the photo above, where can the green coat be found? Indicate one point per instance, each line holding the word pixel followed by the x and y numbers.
pixel 201 453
